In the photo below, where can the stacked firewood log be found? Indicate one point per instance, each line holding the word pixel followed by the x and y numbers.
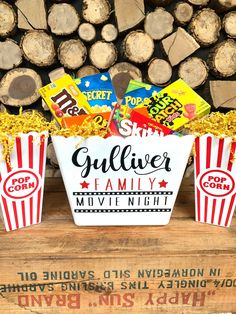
pixel 156 41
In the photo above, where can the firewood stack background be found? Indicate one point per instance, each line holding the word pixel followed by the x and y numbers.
pixel 155 41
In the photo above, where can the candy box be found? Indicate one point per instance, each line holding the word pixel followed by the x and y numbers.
pixel 102 119
pixel 122 181
pixel 215 179
pixel 64 99
pixel 138 92
pixel 175 105
pixel 137 124
pixel 22 180
pixel 99 91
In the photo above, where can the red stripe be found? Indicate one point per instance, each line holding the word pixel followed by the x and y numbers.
pixel 7 213
pixel 38 205
pixel 8 160
pixel 220 152
pixel 15 214
pixel 213 211
pixel 230 210
pixel 206 208
pixel 6 209
pixel 198 206
pixel 41 165
pixel 221 211
pixel 30 144
pixel 23 212
pixel 8 163
pixel 231 156
pixel 197 157
pixel 208 152
pixel 41 154
pixel 19 152
pixel 31 210
pixel 197 170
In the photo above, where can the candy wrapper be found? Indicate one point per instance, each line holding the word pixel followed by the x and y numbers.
pixel 122 181
pixel 136 123
pixel 22 169
pixel 176 105
pixel 215 168
pixel 99 91
pixel 137 93
pixel 101 119
pixel 64 99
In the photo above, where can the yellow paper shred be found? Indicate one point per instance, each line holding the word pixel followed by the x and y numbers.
pixel 85 130
pixel 25 122
pixel 217 123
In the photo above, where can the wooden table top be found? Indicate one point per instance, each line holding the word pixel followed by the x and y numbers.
pixel 146 255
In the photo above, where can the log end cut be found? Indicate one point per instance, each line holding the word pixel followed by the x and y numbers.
pixel 10 55
pixel 194 71
pixel 8 19
pixel 63 19
pixel 96 11
pixel 159 72
pixel 222 59
pixel 38 48
pixel 72 53
pixel 19 87
pixel 138 46
pixel 103 54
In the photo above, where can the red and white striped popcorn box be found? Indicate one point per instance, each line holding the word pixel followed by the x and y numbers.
pixel 215 175
pixel 22 181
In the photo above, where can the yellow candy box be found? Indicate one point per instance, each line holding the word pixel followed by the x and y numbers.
pixel 64 99
pixel 176 105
